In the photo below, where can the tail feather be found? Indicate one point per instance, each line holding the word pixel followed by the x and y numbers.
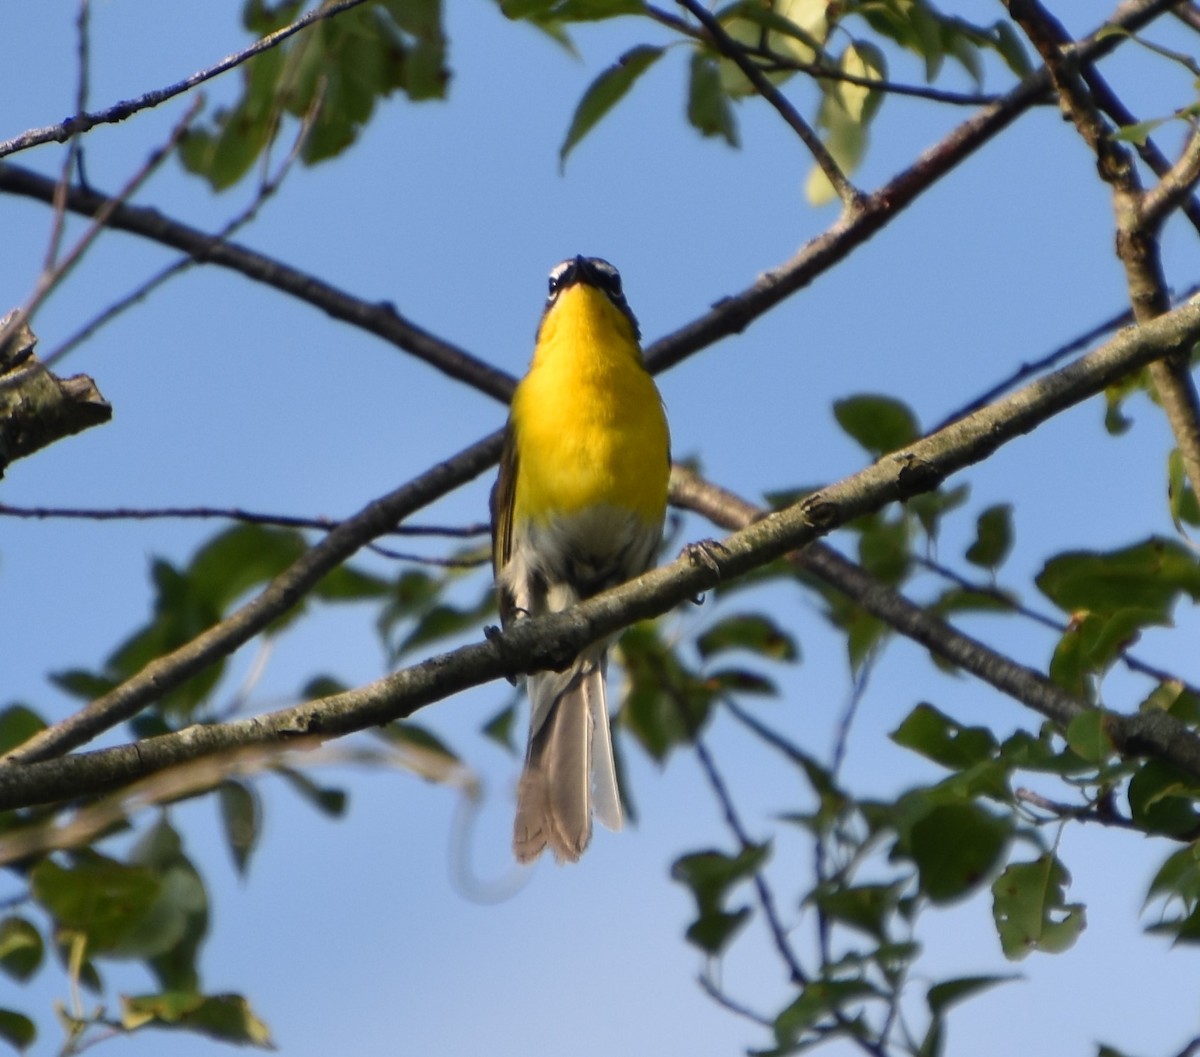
pixel 554 797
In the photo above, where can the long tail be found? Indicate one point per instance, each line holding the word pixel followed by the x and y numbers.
pixel 569 769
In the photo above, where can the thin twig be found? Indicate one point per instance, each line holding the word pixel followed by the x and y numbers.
pixel 267 188
pixel 731 315
pixel 766 898
pixel 84 122
pixel 710 988
pixel 728 47
pixel 826 72
pixel 1060 812
pixel 49 281
pixel 471 531
pixel 68 165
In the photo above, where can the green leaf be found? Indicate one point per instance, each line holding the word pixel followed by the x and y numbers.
pixel 754 632
pixel 170 935
pixel 956 847
pixel 993 537
pixel 1161 800
pixel 1178 877
pixel 1184 507
pixel 942 996
pixel 327 800
pixel 98 897
pixel 347 584
pixel 82 684
pixel 345 64
pixel 241 816
pixel 708 109
pixel 740 681
pixel 240 558
pixel 17 1030
pixel 500 727
pixel 1088 737
pixel 666 704
pixel 442 621
pixel 1147 576
pixel 1030 909
pixel 605 92
pixel 819 998
pixel 880 424
pixel 930 507
pixel 867 908
pixel 17 725
pixel 1138 132
pixel 711 875
pixel 21 948
pixel 935 735
pixel 227 1018
pixel 1011 48
pixel 883 549
pixel 558 11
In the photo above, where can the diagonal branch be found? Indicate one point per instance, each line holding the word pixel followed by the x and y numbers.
pixel 85 122
pixel 380 319
pixel 549 642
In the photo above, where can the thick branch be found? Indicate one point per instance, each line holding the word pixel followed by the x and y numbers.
pixel 551 641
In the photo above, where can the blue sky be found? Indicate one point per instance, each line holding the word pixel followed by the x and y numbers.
pixel 356 935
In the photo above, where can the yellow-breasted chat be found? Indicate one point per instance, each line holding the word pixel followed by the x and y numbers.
pixel 578 507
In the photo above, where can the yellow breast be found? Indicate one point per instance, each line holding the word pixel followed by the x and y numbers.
pixel 589 424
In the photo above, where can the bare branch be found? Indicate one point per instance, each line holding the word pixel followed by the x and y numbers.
pixel 189 513
pixel 266 189
pixel 49 280
pixel 83 122
pixel 380 319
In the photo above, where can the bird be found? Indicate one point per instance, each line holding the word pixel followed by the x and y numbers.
pixel 578 507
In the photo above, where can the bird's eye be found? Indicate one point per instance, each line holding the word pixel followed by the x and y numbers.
pixel 614 283
pixel 553 284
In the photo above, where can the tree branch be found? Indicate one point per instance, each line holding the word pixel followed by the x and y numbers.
pixel 380 319
pixel 549 642
pixel 84 122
